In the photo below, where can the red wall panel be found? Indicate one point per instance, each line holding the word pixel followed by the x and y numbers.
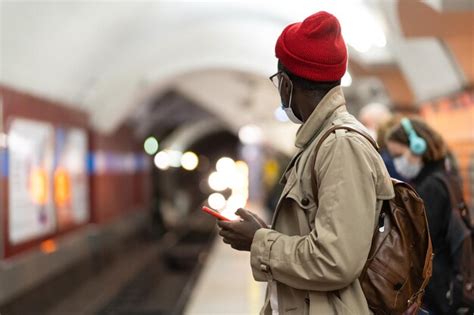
pixel 453 117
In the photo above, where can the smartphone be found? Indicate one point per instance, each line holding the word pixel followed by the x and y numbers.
pixel 215 214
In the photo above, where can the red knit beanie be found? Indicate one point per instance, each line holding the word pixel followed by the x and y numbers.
pixel 314 49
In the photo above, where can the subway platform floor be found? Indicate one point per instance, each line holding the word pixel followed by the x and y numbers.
pixel 226 285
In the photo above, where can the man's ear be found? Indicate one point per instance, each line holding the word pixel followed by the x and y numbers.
pixel 285 89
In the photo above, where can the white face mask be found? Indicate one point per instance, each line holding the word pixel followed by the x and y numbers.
pixel 289 111
pixel 405 168
pixel 291 115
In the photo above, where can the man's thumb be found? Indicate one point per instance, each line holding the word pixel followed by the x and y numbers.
pixel 244 214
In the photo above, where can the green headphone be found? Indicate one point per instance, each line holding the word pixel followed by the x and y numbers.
pixel 417 144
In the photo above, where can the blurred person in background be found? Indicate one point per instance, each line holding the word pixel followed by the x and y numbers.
pixel 373 115
pixel 321 235
pixel 377 118
pixel 419 154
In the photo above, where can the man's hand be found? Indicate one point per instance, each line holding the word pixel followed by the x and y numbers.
pixel 239 234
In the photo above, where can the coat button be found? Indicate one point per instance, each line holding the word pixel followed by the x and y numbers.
pixel 305 201
pixel 264 268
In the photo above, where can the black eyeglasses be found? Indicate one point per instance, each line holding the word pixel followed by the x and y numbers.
pixel 275 79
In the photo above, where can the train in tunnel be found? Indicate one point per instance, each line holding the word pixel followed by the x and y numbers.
pixel 119 120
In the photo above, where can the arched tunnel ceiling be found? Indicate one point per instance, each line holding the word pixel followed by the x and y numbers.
pixel 233 98
pixel 108 58
pixel 123 49
pixel 101 55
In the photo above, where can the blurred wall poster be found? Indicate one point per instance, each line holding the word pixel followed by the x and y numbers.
pixel 30 155
pixel 71 194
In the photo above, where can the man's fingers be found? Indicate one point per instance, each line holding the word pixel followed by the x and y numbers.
pixel 244 214
pixel 226 233
pixel 259 220
pixel 225 224
pixel 238 246
pixel 232 242
pixel 229 225
pixel 230 236
pixel 250 216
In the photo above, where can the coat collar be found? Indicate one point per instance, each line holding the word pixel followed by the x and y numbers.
pixel 333 100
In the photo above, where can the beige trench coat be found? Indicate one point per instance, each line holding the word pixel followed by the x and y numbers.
pixel 315 253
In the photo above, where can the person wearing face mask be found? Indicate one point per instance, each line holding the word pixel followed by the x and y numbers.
pixel 334 186
pixel 419 153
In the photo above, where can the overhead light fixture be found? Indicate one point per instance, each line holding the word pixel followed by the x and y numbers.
pixel 189 161
pixel 225 165
pixel 162 160
pixel 217 181
pixel 236 201
pixel 216 201
pixel 240 190
pixel 250 134
pixel 175 158
pixel 151 145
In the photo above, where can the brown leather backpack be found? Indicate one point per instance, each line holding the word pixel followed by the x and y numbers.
pixel 400 260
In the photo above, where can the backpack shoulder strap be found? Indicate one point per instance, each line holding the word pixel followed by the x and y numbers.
pixel 320 142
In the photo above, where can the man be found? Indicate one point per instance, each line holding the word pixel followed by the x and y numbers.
pixel 321 234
